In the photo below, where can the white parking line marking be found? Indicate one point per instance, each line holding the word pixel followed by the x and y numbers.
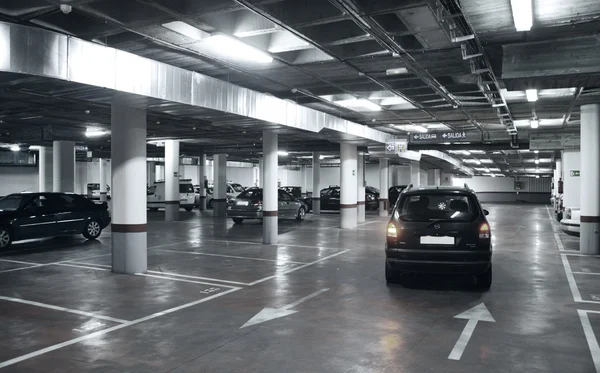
pixel 20 262
pixel 590 337
pixel 297 268
pixel 63 309
pixel 199 278
pixel 586 273
pixel 559 242
pixel 79 266
pixel 229 256
pixel 168 244
pixel 109 330
pixel 184 280
pixel 21 268
pixel 571 279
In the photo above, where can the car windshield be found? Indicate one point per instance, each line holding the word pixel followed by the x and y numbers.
pixel 430 207
pixel 10 203
pixel 372 190
pixel 255 194
pixel 238 188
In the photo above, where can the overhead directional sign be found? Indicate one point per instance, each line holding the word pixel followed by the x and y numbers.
pixel 443 136
pixel 268 314
pixel 396 146
pixel 474 315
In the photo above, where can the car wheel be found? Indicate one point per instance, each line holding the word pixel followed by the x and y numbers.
pixel 237 220
pixel 5 238
pixel 189 208
pixel 391 276
pixel 92 229
pixel 301 214
pixel 484 280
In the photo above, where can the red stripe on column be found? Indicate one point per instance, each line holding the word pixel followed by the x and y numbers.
pixel 590 219
pixel 348 206
pixel 269 213
pixel 128 228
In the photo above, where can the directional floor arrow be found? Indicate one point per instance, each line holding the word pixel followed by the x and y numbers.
pixel 474 315
pixel 268 313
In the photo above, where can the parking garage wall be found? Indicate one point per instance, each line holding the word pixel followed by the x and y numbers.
pixel 504 189
pixel 18 179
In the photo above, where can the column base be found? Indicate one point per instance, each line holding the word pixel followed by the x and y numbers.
pixel 348 217
pixel 219 208
pixel 172 211
pixel 202 203
pixel 383 207
pixel 270 229
pixel 129 250
pixel 361 212
pixel 316 206
pixel 589 238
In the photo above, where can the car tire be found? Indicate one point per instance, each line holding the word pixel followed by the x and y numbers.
pixel 189 208
pixel 484 280
pixel 301 214
pixel 92 229
pixel 237 220
pixel 391 276
pixel 5 238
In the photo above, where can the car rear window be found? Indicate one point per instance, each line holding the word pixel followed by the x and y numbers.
pixel 251 194
pixel 186 188
pixel 430 207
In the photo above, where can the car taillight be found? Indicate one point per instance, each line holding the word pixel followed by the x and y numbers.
pixel 484 231
pixel 392 230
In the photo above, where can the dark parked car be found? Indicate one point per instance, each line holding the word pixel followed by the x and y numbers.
pixel 25 216
pixel 330 198
pixel 293 190
pixel 249 205
pixel 393 194
pixel 439 230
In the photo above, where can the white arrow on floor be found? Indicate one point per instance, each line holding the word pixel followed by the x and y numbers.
pixel 474 315
pixel 268 314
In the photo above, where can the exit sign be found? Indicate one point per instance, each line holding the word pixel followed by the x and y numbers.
pixel 574 173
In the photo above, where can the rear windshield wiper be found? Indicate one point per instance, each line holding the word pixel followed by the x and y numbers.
pixel 439 221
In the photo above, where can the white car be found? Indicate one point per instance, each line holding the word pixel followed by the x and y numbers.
pixel 571 223
pixel 233 190
pixel 156 195
pixel 93 191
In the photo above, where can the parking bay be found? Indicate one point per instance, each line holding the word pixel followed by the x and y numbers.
pixel 328 307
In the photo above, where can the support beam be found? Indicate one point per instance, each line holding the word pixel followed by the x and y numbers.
pixel 63 166
pixel 348 182
pixel 151 172
pixel 590 180
pixel 384 185
pixel 270 190
pixel 202 182
pixel 171 180
pixel 102 171
pixel 128 157
pixel 360 191
pixel 220 186
pixel 45 169
pixel 316 188
pixel 415 173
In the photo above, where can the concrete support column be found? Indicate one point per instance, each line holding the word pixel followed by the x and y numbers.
pixel 128 165
pixel 434 177
pixel 316 187
pixel 360 190
pixel 415 173
pixel 45 170
pixel 384 185
pixel 261 173
pixel 63 166
pixel 201 178
pixel 348 182
pixel 270 190
pixel 102 171
pixel 171 180
pixel 590 180
pixel 220 186
pixel 151 172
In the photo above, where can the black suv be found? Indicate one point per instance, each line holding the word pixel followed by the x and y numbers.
pixel 439 230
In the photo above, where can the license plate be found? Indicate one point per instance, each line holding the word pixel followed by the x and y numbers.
pixel 437 240
pixel 242 203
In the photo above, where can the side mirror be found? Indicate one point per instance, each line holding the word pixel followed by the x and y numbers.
pixel 486 212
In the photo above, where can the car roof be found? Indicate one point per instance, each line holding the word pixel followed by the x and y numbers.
pixel 438 190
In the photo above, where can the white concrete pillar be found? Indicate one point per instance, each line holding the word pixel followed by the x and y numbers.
pixel 63 166
pixel 270 191
pixel 201 178
pixel 171 180
pixel 360 191
pixel 434 177
pixel 384 185
pixel 220 186
pixel 316 187
pixel 261 173
pixel 151 172
pixel 45 169
pixel 128 168
pixel 102 171
pixel 415 173
pixel 590 180
pixel 348 182
pixel 572 181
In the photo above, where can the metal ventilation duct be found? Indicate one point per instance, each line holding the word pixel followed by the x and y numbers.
pixel 33 51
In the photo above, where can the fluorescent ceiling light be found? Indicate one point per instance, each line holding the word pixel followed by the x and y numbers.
pixel 187 30
pixel 486 161
pixel 536 151
pixel 411 128
pixel 283 153
pixel 478 151
pixel 475 161
pixel 397 71
pixel 532 95
pixel 15 148
pixel 359 104
pixel 95 132
pixel 534 123
pixel 236 49
pixel 522 11
pixel 537 161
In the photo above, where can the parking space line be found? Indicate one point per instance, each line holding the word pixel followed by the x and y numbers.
pixel 577 253
pixel 586 273
pixel 571 279
pixel 590 337
pixel 20 262
pixel 184 280
pixel 65 264
pixel 199 278
pixel 21 268
pixel 297 268
pixel 279 244
pixel 63 309
pixel 169 244
pixel 559 243
pixel 228 256
pixel 109 330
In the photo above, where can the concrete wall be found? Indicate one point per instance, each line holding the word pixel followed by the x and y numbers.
pixel 502 189
pixel 18 179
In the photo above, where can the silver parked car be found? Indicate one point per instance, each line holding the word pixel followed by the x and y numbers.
pixel 249 205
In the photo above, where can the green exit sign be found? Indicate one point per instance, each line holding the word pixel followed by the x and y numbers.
pixel 574 173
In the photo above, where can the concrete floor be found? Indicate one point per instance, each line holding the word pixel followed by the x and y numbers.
pixel 62 310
